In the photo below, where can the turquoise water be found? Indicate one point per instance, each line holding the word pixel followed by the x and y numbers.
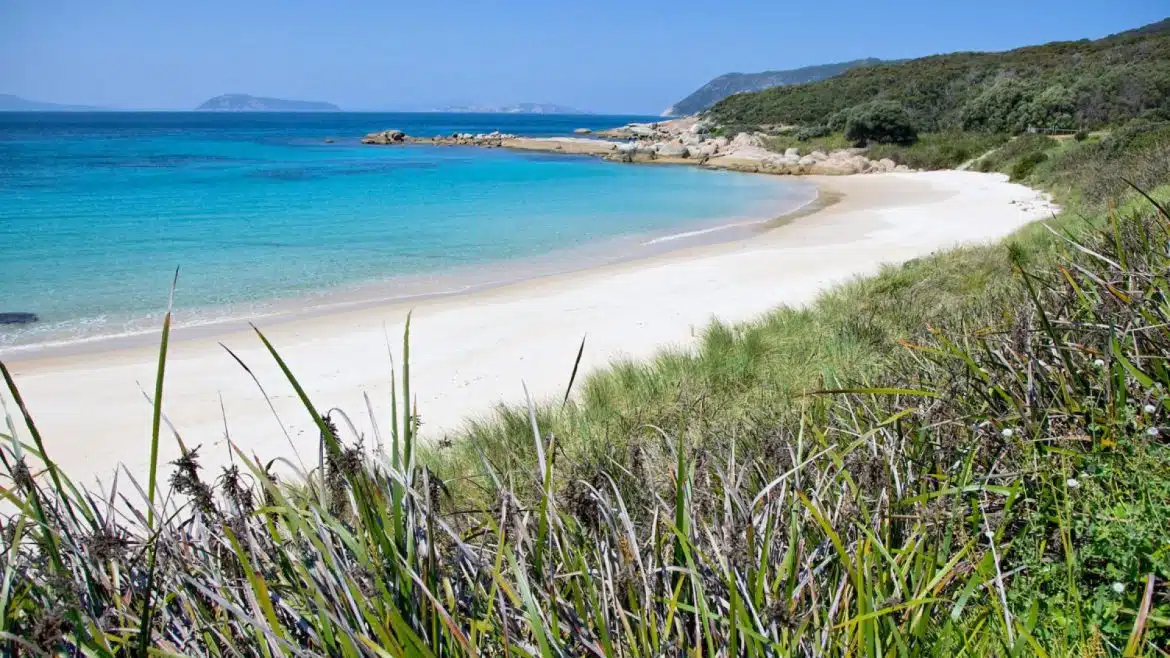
pixel 97 210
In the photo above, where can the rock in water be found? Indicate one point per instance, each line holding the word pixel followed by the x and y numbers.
pixel 18 318
pixel 385 137
pixel 582 131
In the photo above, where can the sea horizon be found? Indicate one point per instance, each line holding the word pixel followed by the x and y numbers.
pixel 274 213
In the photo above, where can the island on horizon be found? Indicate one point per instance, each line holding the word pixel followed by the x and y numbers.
pixel 249 103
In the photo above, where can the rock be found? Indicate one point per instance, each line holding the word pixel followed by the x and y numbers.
pixel 329 140
pixel 646 148
pixel 721 143
pixel 582 131
pixel 385 137
pixel 886 165
pixel 670 150
pixel 700 151
pixel 744 140
pixel 18 318
pixel 792 152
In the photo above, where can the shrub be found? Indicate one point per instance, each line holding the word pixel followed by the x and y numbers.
pixel 836 121
pixel 1027 164
pixel 880 122
pixel 812 132
pixel 1081 136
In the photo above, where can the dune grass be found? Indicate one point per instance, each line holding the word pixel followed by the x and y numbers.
pixel 964 455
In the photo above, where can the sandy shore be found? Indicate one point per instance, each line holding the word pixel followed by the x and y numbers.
pixel 471 351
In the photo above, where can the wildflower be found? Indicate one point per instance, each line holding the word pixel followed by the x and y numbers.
pixel 1153 431
pixel 1118 587
pixel 990 535
pixel 1072 483
pixel 1099 363
pixel 1149 408
pixel 1007 433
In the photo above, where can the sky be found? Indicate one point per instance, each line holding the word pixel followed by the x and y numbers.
pixel 604 56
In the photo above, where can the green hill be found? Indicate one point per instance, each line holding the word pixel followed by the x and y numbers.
pixel 734 83
pixel 1066 85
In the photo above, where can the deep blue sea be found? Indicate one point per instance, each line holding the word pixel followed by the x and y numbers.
pixel 97 210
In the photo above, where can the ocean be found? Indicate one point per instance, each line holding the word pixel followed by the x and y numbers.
pixel 264 213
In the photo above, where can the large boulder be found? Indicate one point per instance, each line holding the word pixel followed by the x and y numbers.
pixel 744 140
pixel 670 150
pixel 700 151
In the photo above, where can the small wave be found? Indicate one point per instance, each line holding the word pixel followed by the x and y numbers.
pixel 724 227
pixel 702 231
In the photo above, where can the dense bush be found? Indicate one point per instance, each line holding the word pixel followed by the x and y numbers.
pixel 1081 84
pixel 880 122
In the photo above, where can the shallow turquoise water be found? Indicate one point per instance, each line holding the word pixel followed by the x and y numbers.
pixel 96 210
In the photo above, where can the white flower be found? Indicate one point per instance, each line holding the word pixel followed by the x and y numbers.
pixel 1153 431
pixel 1072 483
pixel 989 534
pixel 1099 363
pixel 1007 434
pixel 1149 408
pixel 1118 587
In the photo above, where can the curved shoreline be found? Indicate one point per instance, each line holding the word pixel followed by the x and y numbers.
pixel 471 351
pixel 410 289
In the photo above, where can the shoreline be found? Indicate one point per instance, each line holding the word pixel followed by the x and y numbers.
pixel 457 281
pixel 472 351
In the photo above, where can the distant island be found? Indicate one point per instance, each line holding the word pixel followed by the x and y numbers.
pixel 735 83
pixel 12 103
pixel 247 103
pixel 516 108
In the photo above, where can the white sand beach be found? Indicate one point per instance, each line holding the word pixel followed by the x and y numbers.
pixel 470 351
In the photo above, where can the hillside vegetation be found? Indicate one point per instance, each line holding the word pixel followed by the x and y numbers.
pixel 1064 85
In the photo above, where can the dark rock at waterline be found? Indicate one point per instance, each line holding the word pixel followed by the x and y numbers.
pixel 18 318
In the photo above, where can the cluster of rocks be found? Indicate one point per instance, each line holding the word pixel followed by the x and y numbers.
pixel 385 137
pixel 391 137
pixel 688 140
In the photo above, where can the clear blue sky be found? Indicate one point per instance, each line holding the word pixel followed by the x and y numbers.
pixel 604 56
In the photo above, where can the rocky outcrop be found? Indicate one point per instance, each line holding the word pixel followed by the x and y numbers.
pixel 582 131
pixel 682 141
pixel 385 137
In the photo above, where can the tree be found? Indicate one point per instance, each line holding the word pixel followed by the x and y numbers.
pixel 880 122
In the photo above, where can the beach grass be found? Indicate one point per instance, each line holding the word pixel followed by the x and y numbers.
pixel 963 455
